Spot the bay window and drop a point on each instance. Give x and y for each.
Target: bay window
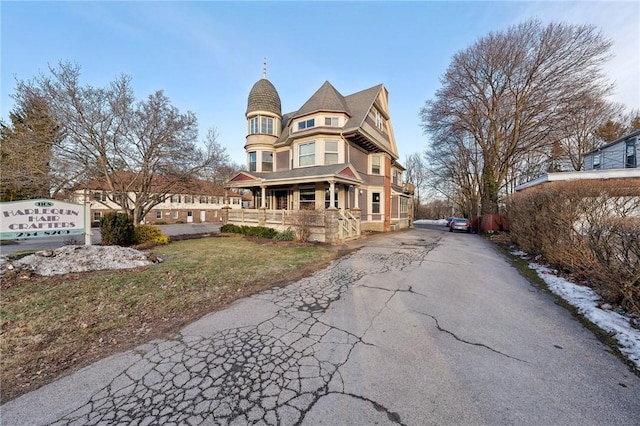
(253, 161)
(267, 161)
(307, 154)
(330, 152)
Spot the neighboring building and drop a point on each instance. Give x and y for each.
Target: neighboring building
(615, 162)
(199, 202)
(335, 155)
(619, 154)
(623, 177)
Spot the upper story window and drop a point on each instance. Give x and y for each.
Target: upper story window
(253, 161)
(307, 154)
(331, 121)
(306, 124)
(396, 176)
(379, 120)
(330, 152)
(188, 199)
(630, 155)
(375, 165)
(261, 124)
(175, 198)
(597, 158)
(267, 161)
(266, 125)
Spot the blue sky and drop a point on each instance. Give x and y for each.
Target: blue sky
(206, 55)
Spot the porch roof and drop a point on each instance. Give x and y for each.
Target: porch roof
(343, 173)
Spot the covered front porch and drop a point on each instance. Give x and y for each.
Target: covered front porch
(321, 202)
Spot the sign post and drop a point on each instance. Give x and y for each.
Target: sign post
(43, 218)
(87, 222)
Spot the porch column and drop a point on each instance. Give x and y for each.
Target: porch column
(263, 200)
(356, 198)
(332, 196)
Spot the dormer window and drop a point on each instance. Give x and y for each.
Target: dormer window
(306, 124)
(332, 121)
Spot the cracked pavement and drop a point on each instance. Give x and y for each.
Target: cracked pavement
(417, 327)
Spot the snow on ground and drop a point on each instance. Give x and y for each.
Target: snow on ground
(76, 258)
(587, 302)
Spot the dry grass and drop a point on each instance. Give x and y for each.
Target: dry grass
(52, 326)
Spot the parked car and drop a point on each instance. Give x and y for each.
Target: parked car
(460, 224)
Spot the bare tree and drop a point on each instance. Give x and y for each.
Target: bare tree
(140, 150)
(416, 174)
(511, 90)
(221, 167)
(455, 166)
(578, 130)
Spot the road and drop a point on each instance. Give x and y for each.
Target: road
(55, 242)
(415, 327)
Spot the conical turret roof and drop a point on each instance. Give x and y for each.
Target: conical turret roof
(264, 97)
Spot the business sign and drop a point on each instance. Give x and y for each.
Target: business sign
(40, 218)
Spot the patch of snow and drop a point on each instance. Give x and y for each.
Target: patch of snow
(587, 302)
(442, 222)
(73, 258)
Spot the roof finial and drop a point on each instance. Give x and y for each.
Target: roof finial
(264, 68)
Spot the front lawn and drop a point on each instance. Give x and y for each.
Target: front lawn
(52, 326)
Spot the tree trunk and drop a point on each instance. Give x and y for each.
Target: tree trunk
(489, 196)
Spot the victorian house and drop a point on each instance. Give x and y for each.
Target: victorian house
(335, 156)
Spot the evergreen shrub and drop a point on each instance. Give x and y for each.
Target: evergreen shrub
(116, 229)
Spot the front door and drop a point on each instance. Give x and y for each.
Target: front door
(281, 200)
(189, 217)
(203, 216)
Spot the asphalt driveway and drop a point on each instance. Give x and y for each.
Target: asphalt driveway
(417, 327)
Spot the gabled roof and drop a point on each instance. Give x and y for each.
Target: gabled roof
(359, 104)
(326, 98)
(617, 141)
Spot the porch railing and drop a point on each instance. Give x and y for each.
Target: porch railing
(349, 226)
(329, 226)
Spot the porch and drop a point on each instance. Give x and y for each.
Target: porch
(331, 225)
